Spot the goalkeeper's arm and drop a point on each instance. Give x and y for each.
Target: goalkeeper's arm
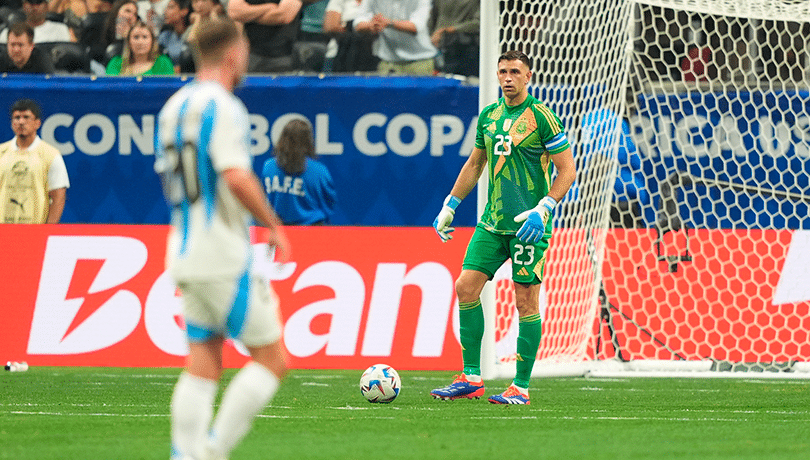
(535, 219)
(466, 181)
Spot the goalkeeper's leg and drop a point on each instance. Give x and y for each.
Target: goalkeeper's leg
(527, 274)
(471, 321)
(528, 341)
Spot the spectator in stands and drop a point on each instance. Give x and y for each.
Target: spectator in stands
(403, 41)
(203, 9)
(152, 13)
(33, 177)
(348, 51)
(122, 16)
(45, 31)
(298, 186)
(73, 13)
(174, 38)
(140, 55)
(92, 36)
(23, 56)
(454, 31)
(312, 15)
(98, 6)
(310, 48)
(272, 29)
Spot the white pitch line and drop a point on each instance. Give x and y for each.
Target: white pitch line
(658, 419)
(319, 376)
(97, 414)
(137, 376)
(76, 405)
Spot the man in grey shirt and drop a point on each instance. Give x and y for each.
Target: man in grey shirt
(403, 39)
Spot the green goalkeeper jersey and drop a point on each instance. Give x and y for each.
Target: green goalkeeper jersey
(519, 142)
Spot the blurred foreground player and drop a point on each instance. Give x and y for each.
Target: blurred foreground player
(205, 166)
(519, 138)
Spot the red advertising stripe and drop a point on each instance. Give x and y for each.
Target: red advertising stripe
(718, 305)
(92, 295)
(98, 296)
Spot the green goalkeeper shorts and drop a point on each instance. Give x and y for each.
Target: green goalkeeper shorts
(487, 251)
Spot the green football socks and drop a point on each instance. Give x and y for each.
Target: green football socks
(529, 331)
(471, 321)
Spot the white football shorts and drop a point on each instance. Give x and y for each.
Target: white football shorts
(245, 309)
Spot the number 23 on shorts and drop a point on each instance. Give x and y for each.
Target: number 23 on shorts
(525, 259)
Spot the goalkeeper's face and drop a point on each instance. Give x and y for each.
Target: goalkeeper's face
(513, 77)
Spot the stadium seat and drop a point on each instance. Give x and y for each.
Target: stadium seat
(10, 16)
(186, 61)
(92, 36)
(68, 57)
(308, 56)
(55, 17)
(113, 49)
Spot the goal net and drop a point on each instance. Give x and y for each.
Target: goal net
(682, 246)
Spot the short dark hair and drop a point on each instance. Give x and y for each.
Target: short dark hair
(21, 105)
(516, 55)
(22, 28)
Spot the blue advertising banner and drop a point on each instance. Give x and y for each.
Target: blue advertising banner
(734, 160)
(394, 146)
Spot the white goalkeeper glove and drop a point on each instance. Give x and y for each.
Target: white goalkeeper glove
(534, 227)
(445, 218)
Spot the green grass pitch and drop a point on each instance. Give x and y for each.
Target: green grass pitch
(108, 413)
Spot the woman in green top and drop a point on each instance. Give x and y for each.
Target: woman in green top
(140, 55)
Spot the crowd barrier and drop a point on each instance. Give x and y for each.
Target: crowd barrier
(395, 146)
(382, 139)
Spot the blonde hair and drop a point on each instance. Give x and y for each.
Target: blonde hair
(126, 53)
(212, 37)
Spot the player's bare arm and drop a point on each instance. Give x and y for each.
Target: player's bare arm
(470, 173)
(467, 178)
(566, 173)
(247, 189)
(57, 206)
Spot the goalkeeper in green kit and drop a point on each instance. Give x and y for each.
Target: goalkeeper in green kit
(519, 138)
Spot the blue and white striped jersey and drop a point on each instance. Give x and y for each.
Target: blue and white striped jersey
(202, 131)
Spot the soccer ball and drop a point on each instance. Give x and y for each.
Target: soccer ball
(380, 383)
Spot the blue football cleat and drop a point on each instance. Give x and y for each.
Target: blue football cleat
(511, 396)
(460, 388)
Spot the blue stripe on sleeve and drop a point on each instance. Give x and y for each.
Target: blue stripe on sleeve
(208, 177)
(179, 140)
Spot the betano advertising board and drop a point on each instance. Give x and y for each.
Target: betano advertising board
(98, 295)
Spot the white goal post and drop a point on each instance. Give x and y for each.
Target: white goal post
(682, 248)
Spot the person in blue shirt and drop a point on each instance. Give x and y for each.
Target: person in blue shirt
(176, 27)
(298, 186)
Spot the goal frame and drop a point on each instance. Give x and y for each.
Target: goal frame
(490, 30)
